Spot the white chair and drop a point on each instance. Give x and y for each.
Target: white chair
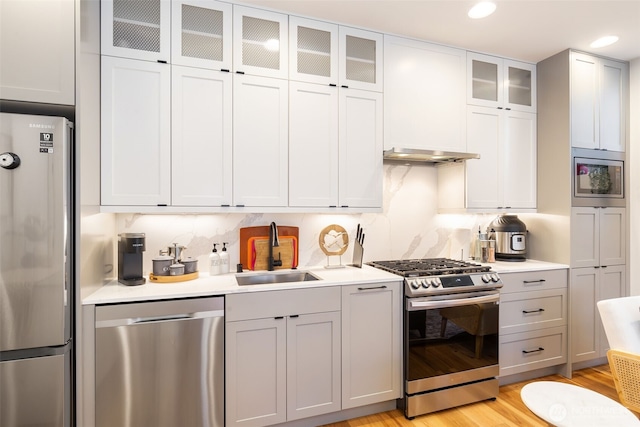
(621, 321)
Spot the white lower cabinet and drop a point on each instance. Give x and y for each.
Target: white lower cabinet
(297, 354)
(533, 320)
(282, 355)
(371, 344)
(588, 286)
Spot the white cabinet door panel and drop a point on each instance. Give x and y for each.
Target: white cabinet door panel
(484, 133)
(612, 236)
(255, 359)
(37, 51)
(313, 145)
(313, 51)
(360, 131)
(313, 365)
(585, 237)
(613, 97)
(518, 153)
(371, 344)
(584, 319)
(260, 141)
(201, 137)
(135, 132)
(424, 95)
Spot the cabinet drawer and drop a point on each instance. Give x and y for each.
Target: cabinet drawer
(532, 350)
(534, 280)
(526, 311)
(259, 305)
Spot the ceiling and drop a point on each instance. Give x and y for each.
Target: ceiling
(527, 30)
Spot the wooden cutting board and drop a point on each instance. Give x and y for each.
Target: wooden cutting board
(254, 247)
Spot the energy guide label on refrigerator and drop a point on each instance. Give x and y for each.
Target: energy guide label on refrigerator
(46, 142)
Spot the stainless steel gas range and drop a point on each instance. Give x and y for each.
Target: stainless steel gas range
(450, 332)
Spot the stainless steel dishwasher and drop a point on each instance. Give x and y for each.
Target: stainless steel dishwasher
(160, 363)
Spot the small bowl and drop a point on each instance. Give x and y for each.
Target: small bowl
(176, 269)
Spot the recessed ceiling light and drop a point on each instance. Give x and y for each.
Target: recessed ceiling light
(482, 9)
(604, 41)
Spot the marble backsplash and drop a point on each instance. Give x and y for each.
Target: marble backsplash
(408, 227)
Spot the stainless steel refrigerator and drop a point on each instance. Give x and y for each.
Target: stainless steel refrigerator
(36, 270)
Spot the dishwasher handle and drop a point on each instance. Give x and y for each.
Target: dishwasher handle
(130, 321)
(158, 311)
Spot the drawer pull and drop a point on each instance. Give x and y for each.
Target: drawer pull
(540, 310)
(528, 282)
(375, 287)
(532, 351)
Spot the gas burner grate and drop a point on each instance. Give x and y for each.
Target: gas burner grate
(429, 267)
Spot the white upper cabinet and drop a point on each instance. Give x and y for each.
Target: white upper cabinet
(313, 51)
(260, 141)
(424, 95)
(37, 51)
(313, 145)
(598, 99)
(135, 148)
(201, 143)
(260, 42)
(136, 29)
(360, 63)
(201, 34)
(501, 83)
(360, 130)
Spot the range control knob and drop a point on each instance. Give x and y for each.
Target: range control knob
(436, 282)
(426, 283)
(495, 278)
(414, 284)
(486, 278)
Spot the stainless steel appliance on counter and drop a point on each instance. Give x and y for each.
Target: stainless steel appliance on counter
(160, 363)
(510, 234)
(450, 332)
(36, 270)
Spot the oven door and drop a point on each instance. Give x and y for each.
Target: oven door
(450, 340)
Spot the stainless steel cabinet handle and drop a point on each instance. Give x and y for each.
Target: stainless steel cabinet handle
(533, 351)
(540, 310)
(375, 287)
(528, 282)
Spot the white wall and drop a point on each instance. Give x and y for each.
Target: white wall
(634, 179)
(408, 227)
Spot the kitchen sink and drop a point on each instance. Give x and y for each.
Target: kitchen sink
(275, 277)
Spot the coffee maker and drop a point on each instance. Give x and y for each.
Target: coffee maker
(130, 249)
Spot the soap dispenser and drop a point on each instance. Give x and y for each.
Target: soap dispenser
(214, 261)
(224, 259)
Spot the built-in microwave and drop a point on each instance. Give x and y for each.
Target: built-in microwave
(597, 178)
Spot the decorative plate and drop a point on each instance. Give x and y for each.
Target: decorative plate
(333, 240)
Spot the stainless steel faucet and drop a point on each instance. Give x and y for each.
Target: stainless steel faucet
(273, 242)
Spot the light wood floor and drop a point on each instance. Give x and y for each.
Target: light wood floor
(506, 410)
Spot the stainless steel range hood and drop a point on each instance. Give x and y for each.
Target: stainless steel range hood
(427, 156)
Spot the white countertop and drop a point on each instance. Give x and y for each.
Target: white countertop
(205, 285)
(521, 266)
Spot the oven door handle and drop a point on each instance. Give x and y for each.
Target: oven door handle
(421, 305)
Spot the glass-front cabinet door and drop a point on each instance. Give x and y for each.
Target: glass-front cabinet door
(260, 42)
(201, 34)
(501, 83)
(136, 29)
(360, 59)
(313, 51)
